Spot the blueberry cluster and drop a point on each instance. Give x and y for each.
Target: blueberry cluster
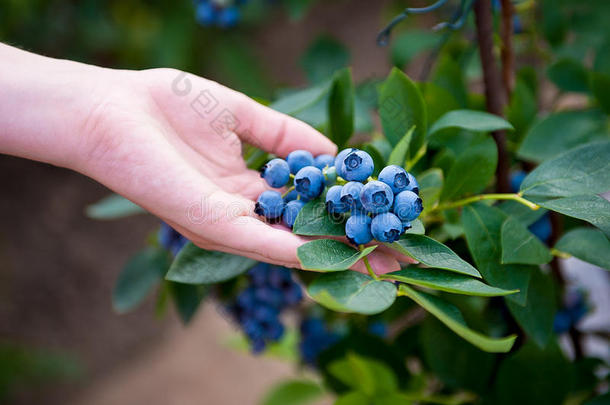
(170, 239)
(220, 13)
(310, 176)
(315, 338)
(381, 209)
(257, 309)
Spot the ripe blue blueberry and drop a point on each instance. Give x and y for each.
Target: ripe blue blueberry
(269, 204)
(323, 161)
(350, 194)
(413, 185)
(206, 14)
(291, 211)
(358, 229)
(228, 17)
(276, 173)
(406, 225)
(334, 205)
(309, 182)
(407, 205)
(516, 178)
(171, 239)
(357, 166)
(298, 159)
(386, 227)
(376, 197)
(339, 160)
(396, 177)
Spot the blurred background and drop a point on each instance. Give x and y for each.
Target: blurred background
(60, 340)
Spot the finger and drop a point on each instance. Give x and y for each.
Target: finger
(276, 132)
(402, 258)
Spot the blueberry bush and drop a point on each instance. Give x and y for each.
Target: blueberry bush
(486, 190)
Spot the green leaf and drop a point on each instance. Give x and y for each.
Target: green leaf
(482, 227)
(297, 9)
(314, 220)
(349, 291)
(399, 153)
(446, 281)
(299, 100)
(472, 171)
(113, 207)
(194, 265)
(520, 212)
(536, 318)
(329, 255)
(560, 132)
(438, 344)
(471, 120)
(519, 245)
(587, 244)
(417, 228)
(449, 75)
(341, 108)
(143, 272)
(600, 86)
(368, 376)
(569, 75)
(409, 44)
(430, 186)
(522, 109)
(293, 392)
(323, 57)
(583, 170)
(187, 299)
(401, 106)
(591, 208)
(533, 376)
(433, 253)
(452, 317)
(353, 398)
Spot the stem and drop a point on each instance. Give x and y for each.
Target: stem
(481, 197)
(365, 259)
(287, 191)
(495, 97)
(507, 54)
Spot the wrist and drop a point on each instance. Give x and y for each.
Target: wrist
(47, 106)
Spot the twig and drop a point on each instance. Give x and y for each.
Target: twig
(507, 54)
(481, 197)
(495, 97)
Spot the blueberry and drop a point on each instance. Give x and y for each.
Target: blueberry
(312, 327)
(292, 195)
(407, 206)
(516, 178)
(206, 14)
(309, 182)
(246, 298)
(269, 204)
(350, 194)
(378, 328)
(293, 294)
(376, 197)
(334, 205)
(265, 313)
(542, 228)
(323, 161)
(358, 229)
(228, 17)
(269, 296)
(298, 160)
(406, 225)
(273, 330)
(396, 177)
(276, 173)
(330, 175)
(291, 211)
(170, 239)
(259, 274)
(413, 185)
(386, 227)
(339, 160)
(357, 166)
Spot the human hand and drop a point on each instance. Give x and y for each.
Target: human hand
(171, 143)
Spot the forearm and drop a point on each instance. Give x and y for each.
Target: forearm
(44, 103)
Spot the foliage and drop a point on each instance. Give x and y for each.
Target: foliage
(485, 277)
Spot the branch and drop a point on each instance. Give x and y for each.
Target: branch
(507, 54)
(495, 96)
